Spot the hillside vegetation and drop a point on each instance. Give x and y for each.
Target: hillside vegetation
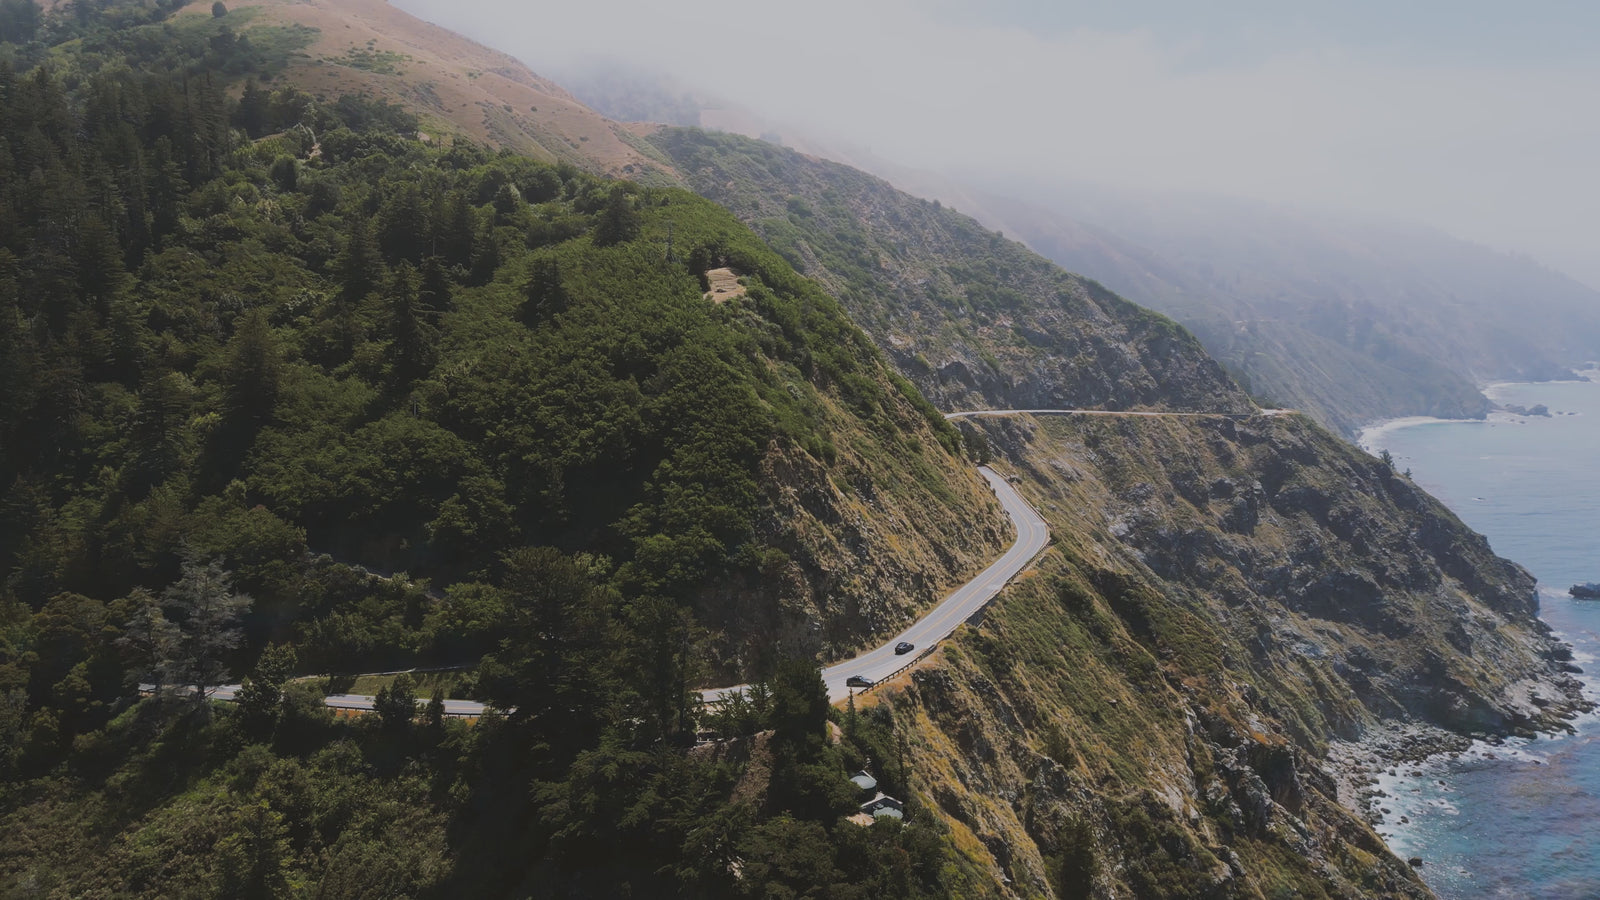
(271, 343)
(974, 320)
(263, 349)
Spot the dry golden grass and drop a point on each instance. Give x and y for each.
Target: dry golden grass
(456, 85)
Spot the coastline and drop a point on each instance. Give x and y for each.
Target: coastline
(1401, 775)
(1399, 766)
(1368, 436)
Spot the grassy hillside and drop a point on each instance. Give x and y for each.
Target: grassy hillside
(1146, 715)
(270, 347)
(972, 319)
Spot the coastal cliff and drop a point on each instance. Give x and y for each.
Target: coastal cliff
(1149, 712)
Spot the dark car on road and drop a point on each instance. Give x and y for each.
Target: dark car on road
(903, 648)
(858, 681)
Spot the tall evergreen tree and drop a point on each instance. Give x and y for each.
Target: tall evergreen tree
(411, 339)
(253, 110)
(619, 220)
(360, 264)
(436, 293)
(209, 615)
(255, 367)
(543, 295)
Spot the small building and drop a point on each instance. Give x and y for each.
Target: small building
(884, 805)
(865, 782)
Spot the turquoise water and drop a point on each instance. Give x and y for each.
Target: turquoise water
(1523, 819)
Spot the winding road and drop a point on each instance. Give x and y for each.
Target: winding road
(882, 662)
(1150, 414)
(926, 633)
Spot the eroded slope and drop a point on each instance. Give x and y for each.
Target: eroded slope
(1147, 711)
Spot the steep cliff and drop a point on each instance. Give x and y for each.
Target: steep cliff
(974, 320)
(1148, 711)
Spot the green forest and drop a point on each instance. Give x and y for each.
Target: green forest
(287, 389)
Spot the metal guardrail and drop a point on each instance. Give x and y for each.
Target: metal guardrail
(915, 661)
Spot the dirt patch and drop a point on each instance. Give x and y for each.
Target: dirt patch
(725, 285)
(458, 86)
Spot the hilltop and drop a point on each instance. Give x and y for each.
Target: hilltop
(455, 86)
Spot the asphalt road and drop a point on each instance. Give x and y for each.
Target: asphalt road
(927, 632)
(229, 692)
(1151, 414)
(924, 634)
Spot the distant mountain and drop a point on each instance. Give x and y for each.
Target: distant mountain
(1347, 319)
(974, 320)
(1351, 320)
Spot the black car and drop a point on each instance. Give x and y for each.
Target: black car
(903, 648)
(858, 681)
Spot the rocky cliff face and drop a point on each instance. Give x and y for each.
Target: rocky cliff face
(1148, 712)
(863, 547)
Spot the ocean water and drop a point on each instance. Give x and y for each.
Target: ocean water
(1522, 819)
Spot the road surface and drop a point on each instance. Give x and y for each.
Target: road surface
(362, 702)
(879, 663)
(1152, 414)
(927, 632)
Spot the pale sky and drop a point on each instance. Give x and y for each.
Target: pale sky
(1482, 118)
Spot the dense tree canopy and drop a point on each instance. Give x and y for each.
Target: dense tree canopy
(257, 351)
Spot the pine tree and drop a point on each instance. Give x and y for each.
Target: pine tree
(543, 295)
(485, 255)
(157, 433)
(411, 340)
(619, 221)
(396, 703)
(167, 188)
(456, 231)
(253, 111)
(436, 293)
(262, 692)
(403, 226)
(150, 641)
(254, 370)
(209, 616)
(434, 716)
(360, 265)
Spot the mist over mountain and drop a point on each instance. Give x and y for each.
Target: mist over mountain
(1353, 318)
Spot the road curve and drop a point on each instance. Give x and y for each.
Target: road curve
(878, 663)
(1151, 414)
(959, 606)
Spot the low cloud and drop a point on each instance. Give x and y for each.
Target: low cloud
(1497, 153)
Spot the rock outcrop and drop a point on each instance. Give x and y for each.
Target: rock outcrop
(1225, 598)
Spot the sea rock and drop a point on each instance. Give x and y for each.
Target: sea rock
(1586, 591)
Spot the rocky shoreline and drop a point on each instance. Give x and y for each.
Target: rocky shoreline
(1402, 748)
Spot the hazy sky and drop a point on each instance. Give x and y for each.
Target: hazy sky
(1479, 117)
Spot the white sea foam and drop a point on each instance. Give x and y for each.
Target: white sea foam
(1370, 438)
